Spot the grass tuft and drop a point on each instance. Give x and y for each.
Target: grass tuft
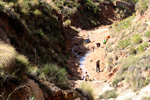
(136, 39)
(124, 43)
(147, 34)
(55, 74)
(7, 56)
(108, 94)
(88, 90)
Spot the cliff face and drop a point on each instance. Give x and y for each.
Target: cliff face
(36, 36)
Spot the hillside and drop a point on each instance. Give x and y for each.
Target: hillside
(42, 46)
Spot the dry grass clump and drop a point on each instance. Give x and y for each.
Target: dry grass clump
(136, 39)
(7, 56)
(108, 94)
(124, 43)
(134, 78)
(11, 61)
(88, 90)
(55, 74)
(147, 34)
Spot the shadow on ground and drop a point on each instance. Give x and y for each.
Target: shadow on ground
(75, 45)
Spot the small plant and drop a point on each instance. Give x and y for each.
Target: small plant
(37, 12)
(147, 81)
(147, 34)
(141, 48)
(88, 90)
(132, 51)
(55, 74)
(90, 7)
(67, 23)
(22, 64)
(115, 82)
(108, 94)
(136, 39)
(124, 43)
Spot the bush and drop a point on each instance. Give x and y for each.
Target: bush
(90, 7)
(88, 90)
(124, 43)
(37, 12)
(67, 23)
(147, 34)
(136, 39)
(115, 82)
(147, 81)
(134, 78)
(132, 51)
(141, 48)
(108, 94)
(56, 74)
(22, 64)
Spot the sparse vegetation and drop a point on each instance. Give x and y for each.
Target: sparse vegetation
(55, 74)
(122, 25)
(108, 94)
(147, 34)
(88, 90)
(136, 39)
(124, 43)
(145, 98)
(141, 47)
(142, 6)
(89, 6)
(132, 51)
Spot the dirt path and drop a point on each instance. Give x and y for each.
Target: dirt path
(95, 35)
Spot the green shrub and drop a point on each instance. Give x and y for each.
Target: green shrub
(22, 64)
(124, 43)
(108, 94)
(147, 34)
(37, 12)
(147, 81)
(88, 90)
(135, 79)
(136, 39)
(67, 23)
(34, 3)
(115, 82)
(141, 48)
(90, 7)
(132, 51)
(55, 74)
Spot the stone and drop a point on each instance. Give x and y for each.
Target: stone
(34, 87)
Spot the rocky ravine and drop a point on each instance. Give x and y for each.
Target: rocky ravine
(102, 79)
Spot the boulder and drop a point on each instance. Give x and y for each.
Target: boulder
(35, 89)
